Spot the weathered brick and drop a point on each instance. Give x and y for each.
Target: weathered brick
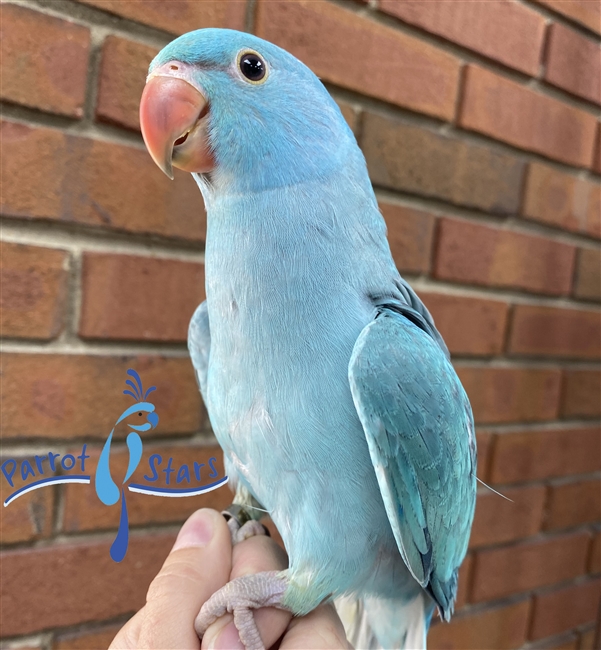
(498, 520)
(562, 200)
(574, 63)
(95, 639)
(594, 560)
(472, 326)
(504, 31)
(501, 628)
(349, 112)
(134, 297)
(327, 37)
(122, 75)
(83, 510)
(477, 254)
(510, 570)
(178, 16)
(585, 12)
(572, 504)
(33, 294)
(557, 332)
(77, 583)
(511, 394)
(47, 174)
(44, 61)
(581, 393)
(410, 235)
(29, 516)
(535, 455)
(513, 113)
(406, 157)
(588, 274)
(565, 608)
(63, 396)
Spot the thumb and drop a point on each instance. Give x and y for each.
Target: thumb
(198, 565)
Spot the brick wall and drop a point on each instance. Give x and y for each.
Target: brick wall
(480, 125)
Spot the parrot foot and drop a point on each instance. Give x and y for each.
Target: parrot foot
(239, 597)
(241, 525)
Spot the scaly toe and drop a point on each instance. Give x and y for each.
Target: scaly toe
(239, 597)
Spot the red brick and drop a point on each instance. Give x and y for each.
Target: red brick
(327, 38)
(565, 608)
(572, 504)
(574, 63)
(412, 159)
(513, 113)
(581, 393)
(511, 394)
(535, 455)
(498, 520)
(588, 274)
(463, 583)
(477, 254)
(585, 12)
(597, 156)
(349, 112)
(410, 235)
(29, 516)
(44, 61)
(144, 298)
(471, 326)
(587, 640)
(178, 16)
(500, 628)
(96, 639)
(594, 561)
(83, 511)
(122, 76)
(555, 332)
(562, 200)
(33, 294)
(71, 395)
(510, 570)
(484, 440)
(47, 174)
(77, 583)
(504, 31)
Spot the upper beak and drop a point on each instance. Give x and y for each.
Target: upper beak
(173, 119)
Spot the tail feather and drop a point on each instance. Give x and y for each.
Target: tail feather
(386, 624)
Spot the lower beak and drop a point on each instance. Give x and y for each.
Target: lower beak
(173, 119)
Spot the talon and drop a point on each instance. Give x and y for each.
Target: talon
(241, 525)
(239, 597)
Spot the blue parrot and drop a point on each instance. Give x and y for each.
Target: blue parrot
(326, 382)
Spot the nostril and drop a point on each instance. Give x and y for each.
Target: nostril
(174, 67)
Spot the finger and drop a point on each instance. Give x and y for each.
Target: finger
(252, 556)
(128, 636)
(322, 629)
(198, 566)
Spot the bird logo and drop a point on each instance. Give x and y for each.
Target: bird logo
(107, 490)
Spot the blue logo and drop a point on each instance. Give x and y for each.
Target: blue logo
(108, 491)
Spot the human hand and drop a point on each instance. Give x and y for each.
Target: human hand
(200, 563)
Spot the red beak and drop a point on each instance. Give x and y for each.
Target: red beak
(173, 118)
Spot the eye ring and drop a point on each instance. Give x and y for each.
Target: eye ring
(252, 67)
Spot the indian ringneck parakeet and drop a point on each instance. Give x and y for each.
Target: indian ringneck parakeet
(326, 382)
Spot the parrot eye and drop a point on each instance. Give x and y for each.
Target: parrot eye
(140, 414)
(252, 67)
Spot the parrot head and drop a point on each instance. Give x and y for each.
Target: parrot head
(240, 113)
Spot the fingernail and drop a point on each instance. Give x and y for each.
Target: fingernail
(197, 531)
(227, 639)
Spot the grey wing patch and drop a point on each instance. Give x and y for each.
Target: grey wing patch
(199, 346)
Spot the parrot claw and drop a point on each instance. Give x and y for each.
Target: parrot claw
(241, 525)
(239, 597)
